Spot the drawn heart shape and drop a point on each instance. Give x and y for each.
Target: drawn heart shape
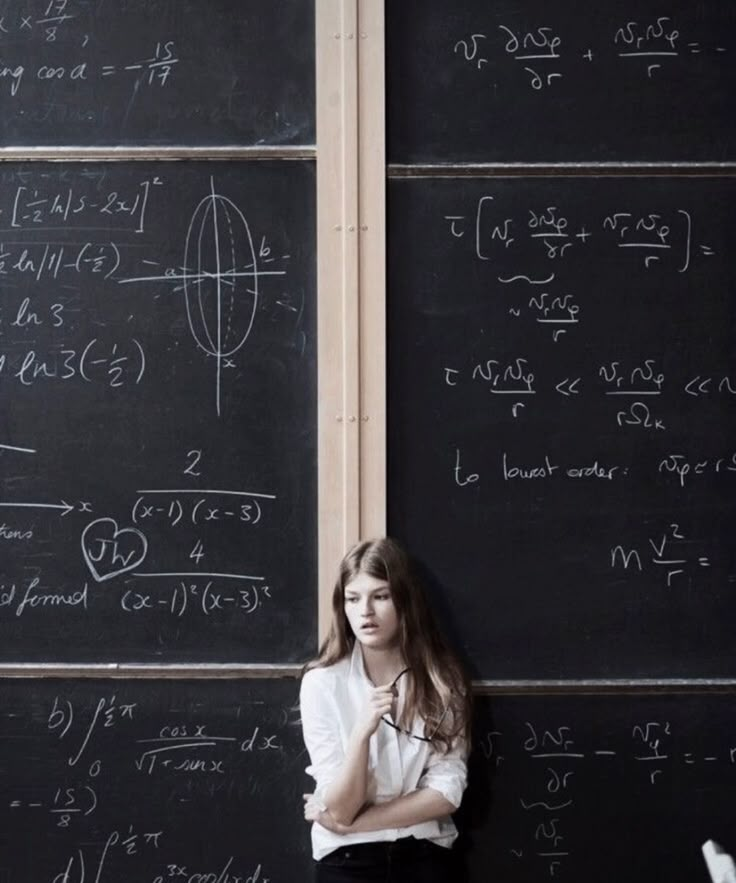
(111, 550)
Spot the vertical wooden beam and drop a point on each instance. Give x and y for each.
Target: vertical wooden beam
(337, 284)
(372, 194)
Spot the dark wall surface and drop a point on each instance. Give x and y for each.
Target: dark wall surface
(158, 412)
(157, 72)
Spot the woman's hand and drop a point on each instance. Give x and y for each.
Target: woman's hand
(314, 811)
(380, 702)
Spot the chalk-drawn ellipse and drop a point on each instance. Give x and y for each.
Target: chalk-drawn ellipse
(221, 279)
(221, 288)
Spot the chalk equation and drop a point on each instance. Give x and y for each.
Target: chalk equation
(47, 23)
(634, 388)
(82, 206)
(196, 506)
(187, 756)
(32, 40)
(66, 803)
(190, 748)
(130, 842)
(213, 594)
(654, 237)
(111, 363)
(77, 72)
(117, 553)
(551, 235)
(557, 761)
(685, 468)
(124, 844)
(670, 551)
(64, 720)
(43, 261)
(200, 598)
(86, 860)
(545, 57)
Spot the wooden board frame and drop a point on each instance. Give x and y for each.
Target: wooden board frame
(351, 181)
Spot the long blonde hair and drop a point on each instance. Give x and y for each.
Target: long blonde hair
(438, 690)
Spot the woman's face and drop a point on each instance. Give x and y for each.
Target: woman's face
(370, 610)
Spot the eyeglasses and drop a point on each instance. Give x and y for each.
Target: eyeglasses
(408, 732)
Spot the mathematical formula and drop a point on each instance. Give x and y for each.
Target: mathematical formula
(58, 24)
(171, 751)
(545, 58)
(634, 388)
(99, 314)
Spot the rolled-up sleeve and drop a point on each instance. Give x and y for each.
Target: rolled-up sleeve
(447, 773)
(320, 729)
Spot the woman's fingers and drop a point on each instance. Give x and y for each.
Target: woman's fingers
(380, 702)
(382, 699)
(382, 694)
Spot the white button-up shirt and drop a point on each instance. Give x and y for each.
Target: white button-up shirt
(331, 699)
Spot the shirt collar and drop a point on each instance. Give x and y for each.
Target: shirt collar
(357, 666)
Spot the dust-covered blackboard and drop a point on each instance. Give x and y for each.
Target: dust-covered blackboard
(562, 380)
(158, 428)
(157, 72)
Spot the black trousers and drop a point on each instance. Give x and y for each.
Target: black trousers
(402, 861)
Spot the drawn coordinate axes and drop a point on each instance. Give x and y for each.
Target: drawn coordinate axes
(221, 295)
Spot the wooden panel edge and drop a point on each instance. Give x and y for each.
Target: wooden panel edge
(337, 288)
(372, 184)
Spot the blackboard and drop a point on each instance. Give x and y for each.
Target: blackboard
(154, 780)
(158, 412)
(148, 779)
(157, 72)
(487, 82)
(561, 424)
(604, 788)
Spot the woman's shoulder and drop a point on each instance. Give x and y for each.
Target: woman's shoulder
(324, 676)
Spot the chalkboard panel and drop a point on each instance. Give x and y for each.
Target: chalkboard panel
(137, 779)
(150, 780)
(158, 412)
(562, 377)
(164, 72)
(604, 788)
(493, 82)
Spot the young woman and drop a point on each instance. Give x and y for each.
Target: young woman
(385, 713)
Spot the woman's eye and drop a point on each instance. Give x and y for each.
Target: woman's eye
(350, 600)
(383, 597)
